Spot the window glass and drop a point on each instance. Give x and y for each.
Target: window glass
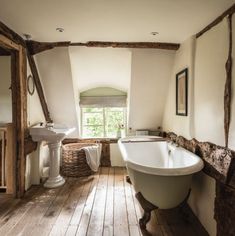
(103, 122)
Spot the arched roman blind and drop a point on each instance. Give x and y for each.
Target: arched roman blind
(103, 97)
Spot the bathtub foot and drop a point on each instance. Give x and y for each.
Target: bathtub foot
(128, 179)
(148, 207)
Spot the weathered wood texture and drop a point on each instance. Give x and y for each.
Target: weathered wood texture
(219, 164)
(219, 161)
(10, 34)
(38, 85)
(35, 47)
(21, 120)
(18, 87)
(29, 145)
(156, 45)
(105, 152)
(225, 209)
(228, 85)
(100, 205)
(229, 11)
(92, 140)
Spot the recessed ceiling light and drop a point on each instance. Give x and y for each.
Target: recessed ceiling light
(61, 30)
(154, 33)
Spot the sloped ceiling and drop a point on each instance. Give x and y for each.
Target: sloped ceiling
(111, 20)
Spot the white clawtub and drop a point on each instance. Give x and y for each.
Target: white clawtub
(160, 171)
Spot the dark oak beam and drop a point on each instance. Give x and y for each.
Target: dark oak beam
(229, 11)
(35, 47)
(224, 209)
(153, 45)
(39, 87)
(228, 85)
(29, 145)
(219, 161)
(10, 34)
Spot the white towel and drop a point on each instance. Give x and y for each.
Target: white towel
(93, 154)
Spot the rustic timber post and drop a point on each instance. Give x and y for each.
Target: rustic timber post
(19, 108)
(228, 85)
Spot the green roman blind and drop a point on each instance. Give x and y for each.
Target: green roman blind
(103, 97)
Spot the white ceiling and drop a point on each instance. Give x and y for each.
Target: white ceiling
(110, 20)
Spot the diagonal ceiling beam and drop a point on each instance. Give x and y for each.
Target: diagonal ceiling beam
(229, 11)
(39, 88)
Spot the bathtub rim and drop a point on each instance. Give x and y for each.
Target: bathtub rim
(178, 171)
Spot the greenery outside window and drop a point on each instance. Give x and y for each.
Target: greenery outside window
(103, 122)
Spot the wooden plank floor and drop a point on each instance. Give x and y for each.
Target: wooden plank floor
(102, 204)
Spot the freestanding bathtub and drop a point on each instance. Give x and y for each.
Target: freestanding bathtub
(160, 171)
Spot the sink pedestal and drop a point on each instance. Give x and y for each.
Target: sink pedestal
(55, 179)
(53, 134)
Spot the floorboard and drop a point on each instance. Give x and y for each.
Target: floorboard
(103, 204)
(109, 206)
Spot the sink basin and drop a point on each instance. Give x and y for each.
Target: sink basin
(53, 134)
(57, 133)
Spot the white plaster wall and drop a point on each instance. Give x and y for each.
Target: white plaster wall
(55, 73)
(205, 119)
(203, 187)
(101, 67)
(210, 74)
(210, 77)
(5, 92)
(34, 109)
(150, 75)
(184, 58)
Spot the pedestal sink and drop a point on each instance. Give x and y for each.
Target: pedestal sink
(53, 134)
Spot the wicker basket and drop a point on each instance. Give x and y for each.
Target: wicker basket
(74, 162)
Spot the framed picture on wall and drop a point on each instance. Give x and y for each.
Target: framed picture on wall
(182, 93)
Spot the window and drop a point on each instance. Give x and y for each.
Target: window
(102, 121)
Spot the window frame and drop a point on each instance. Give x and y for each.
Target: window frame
(104, 113)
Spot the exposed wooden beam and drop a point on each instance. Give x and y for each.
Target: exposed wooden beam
(10, 34)
(35, 47)
(29, 145)
(38, 85)
(8, 44)
(219, 162)
(229, 11)
(228, 84)
(153, 45)
(19, 103)
(22, 120)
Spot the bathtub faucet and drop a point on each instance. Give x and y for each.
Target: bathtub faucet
(174, 144)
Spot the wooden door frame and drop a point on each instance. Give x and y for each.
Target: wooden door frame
(19, 112)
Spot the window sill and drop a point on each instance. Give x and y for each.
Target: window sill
(75, 140)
